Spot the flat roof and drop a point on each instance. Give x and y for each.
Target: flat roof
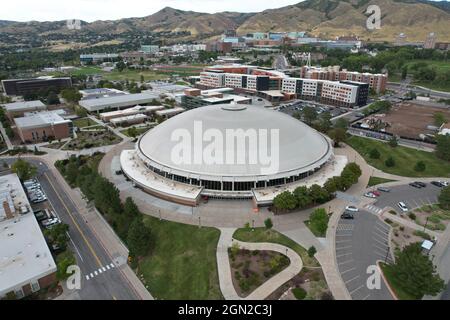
(24, 105)
(128, 118)
(24, 254)
(131, 111)
(117, 101)
(166, 112)
(40, 119)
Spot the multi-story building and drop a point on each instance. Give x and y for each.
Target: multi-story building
(98, 57)
(194, 98)
(44, 125)
(212, 79)
(377, 82)
(18, 109)
(20, 87)
(26, 264)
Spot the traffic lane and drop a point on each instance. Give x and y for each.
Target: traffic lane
(88, 244)
(360, 243)
(413, 197)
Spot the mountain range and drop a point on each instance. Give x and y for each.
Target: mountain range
(323, 18)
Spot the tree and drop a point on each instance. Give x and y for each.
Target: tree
(444, 198)
(52, 98)
(338, 135)
(420, 166)
(71, 95)
(285, 201)
(404, 72)
(130, 208)
(268, 223)
(443, 146)
(138, 238)
(302, 196)
(341, 123)
(393, 142)
(312, 251)
(309, 114)
(318, 194)
(58, 235)
(415, 273)
(23, 169)
(132, 132)
(63, 261)
(71, 172)
(374, 154)
(318, 221)
(439, 118)
(390, 162)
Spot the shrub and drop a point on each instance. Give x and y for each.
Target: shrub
(299, 293)
(422, 234)
(412, 216)
(312, 251)
(374, 154)
(388, 221)
(318, 221)
(268, 223)
(420, 166)
(393, 212)
(390, 162)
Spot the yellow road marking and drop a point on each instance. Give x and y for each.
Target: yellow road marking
(75, 223)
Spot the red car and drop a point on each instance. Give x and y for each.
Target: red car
(376, 193)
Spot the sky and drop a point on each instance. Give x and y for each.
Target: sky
(91, 10)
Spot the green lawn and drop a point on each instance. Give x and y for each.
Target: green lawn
(440, 67)
(373, 181)
(395, 284)
(84, 122)
(182, 263)
(405, 158)
(265, 235)
(133, 75)
(139, 131)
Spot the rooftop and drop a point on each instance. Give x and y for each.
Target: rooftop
(118, 101)
(24, 106)
(40, 119)
(24, 254)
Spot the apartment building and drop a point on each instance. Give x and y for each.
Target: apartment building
(377, 82)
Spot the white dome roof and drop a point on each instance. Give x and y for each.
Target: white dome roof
(301, 148)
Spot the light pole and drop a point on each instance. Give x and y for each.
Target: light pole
(199, 223)
(253, 224)
(159, 211)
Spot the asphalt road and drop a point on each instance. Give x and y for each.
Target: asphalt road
(101, 277)
(412, 197)
(360, 243)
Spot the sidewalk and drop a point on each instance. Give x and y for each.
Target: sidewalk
(263, 291)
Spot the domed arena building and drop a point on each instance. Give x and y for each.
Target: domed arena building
(230, 152)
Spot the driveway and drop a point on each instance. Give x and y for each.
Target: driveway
(360, 243)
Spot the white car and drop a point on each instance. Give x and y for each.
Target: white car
(351, 208)
(369, 195)
(402, 206)
(444, 183)
(49, 222)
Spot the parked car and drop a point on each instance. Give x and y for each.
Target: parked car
(415, 185)
(444, 183)
(347, 215)
(402, 206)
(384, 189)
(40, 215)
(351, 209)
(421, 184)
(369, 195)
(49, 222)
(437, 184)
(376, 193)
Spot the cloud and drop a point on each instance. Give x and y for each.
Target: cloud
(90, 10)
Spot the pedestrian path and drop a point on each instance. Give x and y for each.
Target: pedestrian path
(262, 292)
(100, 270)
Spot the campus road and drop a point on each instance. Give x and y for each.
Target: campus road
(101, 278)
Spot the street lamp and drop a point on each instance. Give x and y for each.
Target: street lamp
(199, 223)
(159, 212)
(253, 224)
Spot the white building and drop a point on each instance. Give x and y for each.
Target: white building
(26, 264)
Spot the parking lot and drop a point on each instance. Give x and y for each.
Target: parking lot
(411, 196)
(297, 106)
(360, 243)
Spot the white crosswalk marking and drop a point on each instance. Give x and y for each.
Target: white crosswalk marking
(99, 271)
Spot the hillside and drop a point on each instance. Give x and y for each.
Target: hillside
(325, 18)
